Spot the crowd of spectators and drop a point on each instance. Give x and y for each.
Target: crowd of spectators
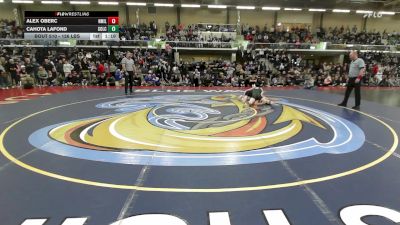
(207, 33)
(286, 69)
(187, 36)
(383, 69)
(77, 67)
(295, 35)
(10, 30)
(142, 31)
(179, 32)
(280, 35)
(346, 35)
(303, 35)
(30, 66)
(194, 32)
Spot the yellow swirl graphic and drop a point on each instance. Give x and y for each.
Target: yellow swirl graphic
(133, 131)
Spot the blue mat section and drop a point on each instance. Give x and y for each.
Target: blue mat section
(26, 194)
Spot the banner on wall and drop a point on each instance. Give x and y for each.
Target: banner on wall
(156, 43)
(67, 43)
(319, 46)
(240, 44)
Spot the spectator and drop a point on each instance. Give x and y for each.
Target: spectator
(3, 78)
(67, 68)
(319, 82)
(12, 68)
(328, 80)
(309, 82)
(43, 76)
(336, 80)
(27, 81)
(137, 80)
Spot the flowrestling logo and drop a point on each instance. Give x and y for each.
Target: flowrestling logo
(200, 130)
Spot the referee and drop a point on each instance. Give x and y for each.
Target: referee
(128, 66)
(356, 72)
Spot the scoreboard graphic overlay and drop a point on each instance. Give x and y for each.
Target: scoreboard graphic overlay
(79, 25)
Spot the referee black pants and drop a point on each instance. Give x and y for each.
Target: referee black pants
(128, 82)
(351, 84)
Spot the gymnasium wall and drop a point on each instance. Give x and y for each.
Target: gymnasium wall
(161, 15)
(345, 19)
(6, 11)
(202, 15)
(390, 23)
(293, 17)
(257, 18)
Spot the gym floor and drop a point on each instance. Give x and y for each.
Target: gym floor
(194, 156)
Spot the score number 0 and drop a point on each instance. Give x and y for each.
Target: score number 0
(113, 21)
